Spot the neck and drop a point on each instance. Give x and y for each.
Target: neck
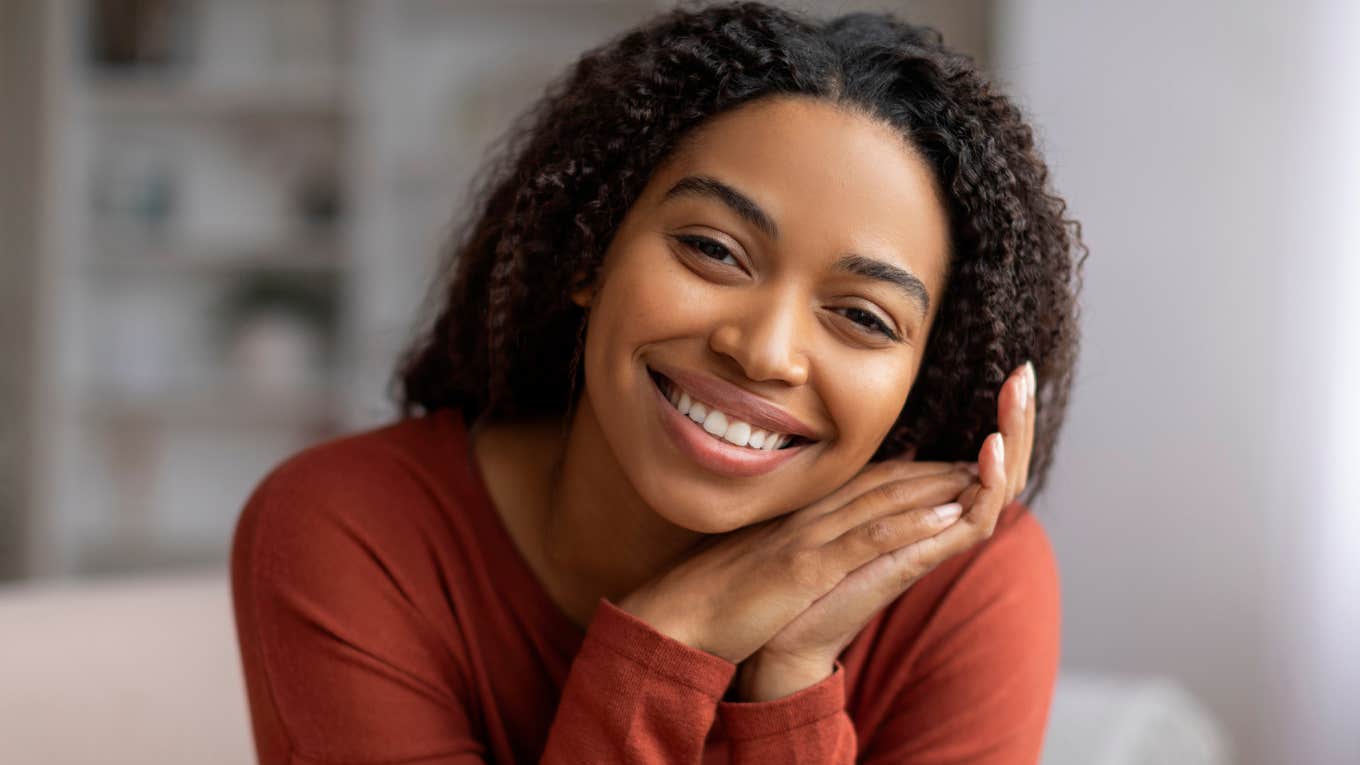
(597, 532)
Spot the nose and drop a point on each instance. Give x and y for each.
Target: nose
(765, 338)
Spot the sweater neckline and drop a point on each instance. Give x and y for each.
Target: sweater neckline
(510, 561)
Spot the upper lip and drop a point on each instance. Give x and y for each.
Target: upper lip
(733, 400)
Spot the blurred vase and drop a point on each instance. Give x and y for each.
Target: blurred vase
(277, 354)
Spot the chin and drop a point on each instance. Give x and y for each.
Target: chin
(706, 510)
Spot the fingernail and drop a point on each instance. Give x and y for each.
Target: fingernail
(1000, 447)
(1029, 377)
(948, 513)
(1023, 387)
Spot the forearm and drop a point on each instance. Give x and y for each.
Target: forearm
(763, 677)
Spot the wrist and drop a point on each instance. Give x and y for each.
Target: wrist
(767, 677)
(638, 606)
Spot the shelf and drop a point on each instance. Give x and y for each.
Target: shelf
(120, 252)
(107, 557)
(113, 96)
(217, 408)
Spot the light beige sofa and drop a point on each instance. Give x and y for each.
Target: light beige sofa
(141, 670)
(145, 670)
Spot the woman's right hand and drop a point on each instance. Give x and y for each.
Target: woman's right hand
(737, 590)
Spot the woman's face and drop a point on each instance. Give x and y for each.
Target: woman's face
(784, 268)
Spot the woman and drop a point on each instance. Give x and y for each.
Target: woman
(661, 490)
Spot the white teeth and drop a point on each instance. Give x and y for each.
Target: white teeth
(738, 433)
(723, 425)
(716, 423)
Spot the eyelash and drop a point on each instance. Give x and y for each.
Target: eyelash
(697, 243)
(878, 325)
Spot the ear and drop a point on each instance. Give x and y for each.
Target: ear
(583, 292)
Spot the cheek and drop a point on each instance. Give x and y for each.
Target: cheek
(865, 404)
(651, 297)
(637, 305)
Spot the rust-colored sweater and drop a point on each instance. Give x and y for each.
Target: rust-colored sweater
(385, 615)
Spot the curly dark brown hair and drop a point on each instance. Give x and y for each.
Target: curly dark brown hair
(506, 340)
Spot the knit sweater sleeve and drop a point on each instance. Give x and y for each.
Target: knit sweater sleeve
(976, 691)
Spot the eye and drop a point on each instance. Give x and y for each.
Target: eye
(870, 322)
(707, 247)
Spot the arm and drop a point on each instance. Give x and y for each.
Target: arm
(635, 695)
(978, 691)
(339, 665)
(806, 646)
(803, 720)
(342, 664)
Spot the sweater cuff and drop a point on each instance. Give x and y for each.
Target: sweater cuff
(744, 720)
(659, 653)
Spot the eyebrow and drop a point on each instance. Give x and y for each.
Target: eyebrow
(882, 271)
(704, 186)
(859, 265)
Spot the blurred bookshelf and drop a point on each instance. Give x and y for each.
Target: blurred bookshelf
(247, 202)
(198, 310)
(242, 204)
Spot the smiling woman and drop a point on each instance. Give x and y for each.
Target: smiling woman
(758, 262)
(712, 449)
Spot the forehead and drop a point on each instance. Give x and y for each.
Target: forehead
(832, 180)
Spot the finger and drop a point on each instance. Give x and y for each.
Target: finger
(1030, 412)
(869, 587)
(871, 540)
(885, 518)
(874, 475)
(977, 523)
(863, 593)
(992, 497)
(1011, 422)
(969, 495)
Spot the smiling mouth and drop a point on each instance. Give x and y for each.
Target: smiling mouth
(720, 425)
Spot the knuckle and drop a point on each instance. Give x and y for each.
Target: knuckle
(895, 493)
(984, 527)
(877, 532)
(913, 565)
(804, 539)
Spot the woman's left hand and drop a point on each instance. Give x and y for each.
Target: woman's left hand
(804, 652)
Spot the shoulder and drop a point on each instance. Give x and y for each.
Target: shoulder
(1018, 545)
(994, 620)
(1009, 581)
(997, 605)
(341, 581)
(967, 659)
(347, 496)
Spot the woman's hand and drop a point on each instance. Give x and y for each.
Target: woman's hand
(736, 591)
(804, 651)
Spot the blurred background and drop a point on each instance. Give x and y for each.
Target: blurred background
(219, 219)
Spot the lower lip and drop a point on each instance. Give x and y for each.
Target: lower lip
(718, 456)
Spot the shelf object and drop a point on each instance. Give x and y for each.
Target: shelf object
(201, 265)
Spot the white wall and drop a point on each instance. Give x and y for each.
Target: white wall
(1200, 508)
